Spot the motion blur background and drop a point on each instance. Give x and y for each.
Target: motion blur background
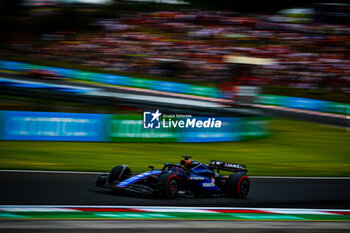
(75, 77)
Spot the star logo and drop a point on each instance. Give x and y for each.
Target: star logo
(156, 115)
(151, 120)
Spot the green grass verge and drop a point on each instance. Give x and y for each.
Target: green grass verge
(295, 148)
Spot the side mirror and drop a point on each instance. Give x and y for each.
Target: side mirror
(152, 167)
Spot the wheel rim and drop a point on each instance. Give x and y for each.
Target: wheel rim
(244, 188)
(172, 187)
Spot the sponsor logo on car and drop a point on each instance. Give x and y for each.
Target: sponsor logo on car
(207, 184)
(197, 178)
(232, 165)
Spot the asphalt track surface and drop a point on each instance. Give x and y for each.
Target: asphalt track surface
(23, 188)
(171, 226)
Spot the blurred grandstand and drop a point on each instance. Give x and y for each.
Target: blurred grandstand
(193, 46)
(220, 49)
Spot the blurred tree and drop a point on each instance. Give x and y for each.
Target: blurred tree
(252, 5)
(10, 7)
(9, 10)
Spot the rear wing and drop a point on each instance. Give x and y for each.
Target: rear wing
(226, 166)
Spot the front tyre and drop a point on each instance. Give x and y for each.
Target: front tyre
(168, 185)
(237, 185)
(118, 173)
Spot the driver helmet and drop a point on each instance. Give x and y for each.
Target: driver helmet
(186, 162)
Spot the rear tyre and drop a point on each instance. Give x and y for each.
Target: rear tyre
(168, 185)
(101, 180)
(118, 173)
(237, 185)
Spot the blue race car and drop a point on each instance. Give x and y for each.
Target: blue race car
(190, 178)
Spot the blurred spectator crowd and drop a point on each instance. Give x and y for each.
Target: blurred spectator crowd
(193, 46)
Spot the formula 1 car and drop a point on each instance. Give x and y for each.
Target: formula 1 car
(190, 178)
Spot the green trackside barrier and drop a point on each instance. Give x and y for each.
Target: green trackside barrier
(204, 91)
(254, 127)
(268, 100)
(327, 106)
(34, 67)
(339, 108)
(86, 76)
(129, 128)
(142, 83)
(52, 126)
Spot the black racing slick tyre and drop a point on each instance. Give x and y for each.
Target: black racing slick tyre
(237, 185)
(118, 173)
(168, 185)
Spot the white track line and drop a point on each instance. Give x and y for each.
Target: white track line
(253, 177)
(57, 172)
